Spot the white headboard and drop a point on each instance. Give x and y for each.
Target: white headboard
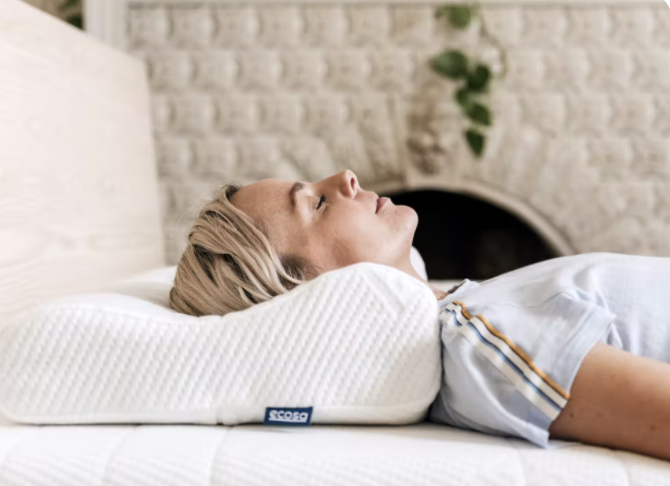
(79, 204)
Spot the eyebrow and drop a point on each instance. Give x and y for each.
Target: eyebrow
(295, 188)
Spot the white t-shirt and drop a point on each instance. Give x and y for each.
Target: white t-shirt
(512, 345)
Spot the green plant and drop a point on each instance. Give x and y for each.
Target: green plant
(475, 75)
(70, 11)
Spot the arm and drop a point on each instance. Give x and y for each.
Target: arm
(618, 400)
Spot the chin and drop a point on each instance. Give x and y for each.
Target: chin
(408, 218)
(399, 243)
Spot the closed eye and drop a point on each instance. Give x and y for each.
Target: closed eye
(322, 199)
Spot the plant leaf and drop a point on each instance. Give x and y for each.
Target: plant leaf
(68, 4)
(75, 20)
(463, 98)
(479, 78)
(476, 141)
(460, 16)
(479, 113)
(452, 64)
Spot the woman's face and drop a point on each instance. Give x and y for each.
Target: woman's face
(331, 223)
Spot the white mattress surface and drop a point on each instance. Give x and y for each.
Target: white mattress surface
(420, 454)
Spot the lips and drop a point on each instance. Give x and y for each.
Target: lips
(380, 202)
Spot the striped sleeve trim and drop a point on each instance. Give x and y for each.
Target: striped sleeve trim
(527, 378)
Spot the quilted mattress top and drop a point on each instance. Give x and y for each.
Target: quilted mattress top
(420, 454)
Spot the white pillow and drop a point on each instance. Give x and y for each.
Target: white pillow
(141, 285)
(417, 262)
(358, 344)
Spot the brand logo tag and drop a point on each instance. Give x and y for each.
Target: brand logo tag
(288, 416)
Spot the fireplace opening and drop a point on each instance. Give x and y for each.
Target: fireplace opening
(460, 236)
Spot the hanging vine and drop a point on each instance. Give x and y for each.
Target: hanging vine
(473, 75)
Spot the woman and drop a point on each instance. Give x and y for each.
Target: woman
(573, 348)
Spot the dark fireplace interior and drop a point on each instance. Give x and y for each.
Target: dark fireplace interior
(460, 236)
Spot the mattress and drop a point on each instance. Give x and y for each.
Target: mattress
(420, 454)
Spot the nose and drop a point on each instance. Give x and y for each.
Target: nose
(349, 183)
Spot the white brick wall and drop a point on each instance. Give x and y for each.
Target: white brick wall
(581, 139)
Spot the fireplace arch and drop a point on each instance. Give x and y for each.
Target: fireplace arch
(476, 232)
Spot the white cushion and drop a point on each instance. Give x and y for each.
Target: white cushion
(358, 344)
(417, 262)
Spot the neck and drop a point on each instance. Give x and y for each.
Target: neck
(409, 269)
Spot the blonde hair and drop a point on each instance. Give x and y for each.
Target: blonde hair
(230, 264)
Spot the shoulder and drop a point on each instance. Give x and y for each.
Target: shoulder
(574, 275)
(510, 356)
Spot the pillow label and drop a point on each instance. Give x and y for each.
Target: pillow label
(288, 416)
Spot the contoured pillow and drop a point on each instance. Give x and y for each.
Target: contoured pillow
(358, 344)
(417, 262)
(155, 285)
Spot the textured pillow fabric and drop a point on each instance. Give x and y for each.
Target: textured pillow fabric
(358, 344)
